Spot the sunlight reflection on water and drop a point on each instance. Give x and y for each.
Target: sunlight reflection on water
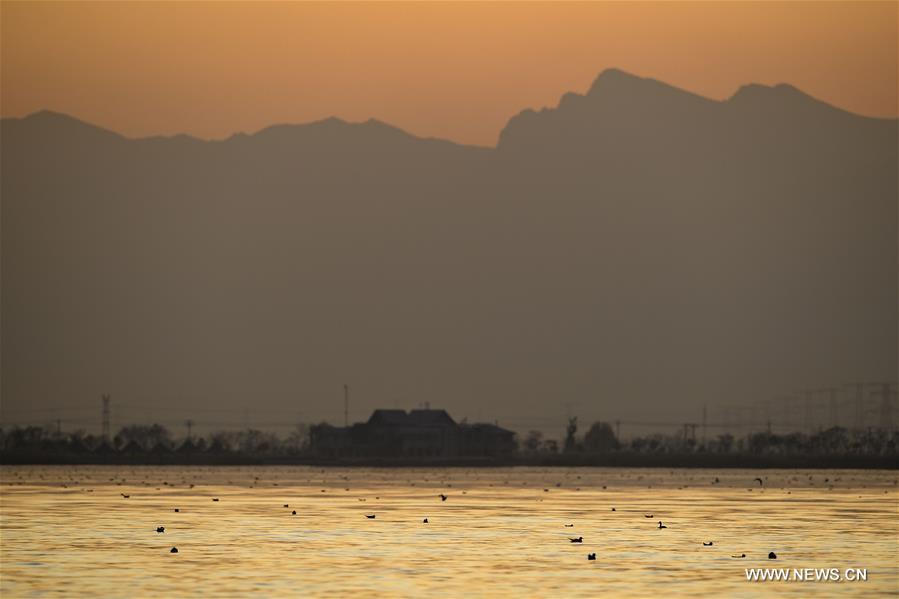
(501, 532)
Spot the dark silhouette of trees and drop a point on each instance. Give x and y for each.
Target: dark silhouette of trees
(144, 436)
(154, 444)
(600, 438)
(533, 441)
(570, 431)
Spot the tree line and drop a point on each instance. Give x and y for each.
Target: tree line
(599, 445)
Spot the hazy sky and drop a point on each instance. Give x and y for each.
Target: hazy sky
(450, 70)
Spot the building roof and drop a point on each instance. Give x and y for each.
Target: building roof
(431, 418)
(485, 427)
(412, 418)
(388, 417)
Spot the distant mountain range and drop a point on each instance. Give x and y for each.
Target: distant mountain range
(637, 249)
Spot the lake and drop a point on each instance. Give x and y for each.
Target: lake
(91, 530)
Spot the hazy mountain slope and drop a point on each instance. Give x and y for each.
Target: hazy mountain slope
(636, 243)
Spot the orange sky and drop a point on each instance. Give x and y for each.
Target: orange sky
(452, 70)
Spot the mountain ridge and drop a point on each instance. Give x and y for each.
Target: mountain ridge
(609, 81)
(640, 249)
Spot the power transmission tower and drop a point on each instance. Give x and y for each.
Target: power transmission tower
(859, 406)
(834, 415)
(808, 412)
(886, 407)
(704, 422)
(105, 421)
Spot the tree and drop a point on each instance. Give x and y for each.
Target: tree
(600, 438)
(533, 441)
(725, 442)
(145, 436)
(298, 439)
(570, 430)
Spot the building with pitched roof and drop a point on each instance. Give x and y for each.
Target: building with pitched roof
(422, 433)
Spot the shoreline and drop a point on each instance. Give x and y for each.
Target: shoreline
(612, 460)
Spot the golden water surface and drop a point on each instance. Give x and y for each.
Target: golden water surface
(500, 532)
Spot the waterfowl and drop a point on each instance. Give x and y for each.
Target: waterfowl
(647, 515)
(759, 481)
(293, 513)
(160, 529)
(425, 521)
(576, 539)
(177, 510)
(709, 544)
(174, 550)
(591, 557)
(215, 498)
(370, 516)
(772, 555)
(739, 556)
(661, 526)
(442, 497)
(569, 525)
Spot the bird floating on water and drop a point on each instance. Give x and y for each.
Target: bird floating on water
(576, 539)
(569, 525)
(442, 497)
(709, 544)
(160, 529)
(739, 556)
(759, 481)
(591, 557)
(425, 521)
(293, 513)
(370, 516)
(215, 498)
(772, 555)
(647, 515)
(661, 526)
(174, 550)
(177, 510)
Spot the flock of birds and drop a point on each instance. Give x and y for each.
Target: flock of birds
(443, 497)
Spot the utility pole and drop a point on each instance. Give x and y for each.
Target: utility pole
(766, 408)
(618, 430)
(346, 405)
(834, 417)
(190, 424)
(704, 422)
(105, 420)
(808, 412)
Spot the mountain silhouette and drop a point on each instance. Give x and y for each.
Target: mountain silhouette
(636, 248)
